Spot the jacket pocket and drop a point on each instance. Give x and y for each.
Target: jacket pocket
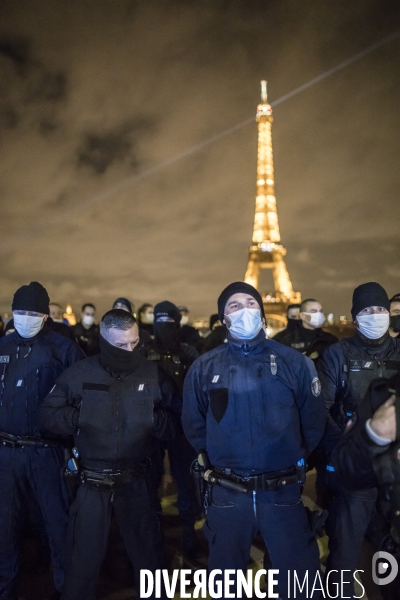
(219, 398)
(287, 496)
(221, 498)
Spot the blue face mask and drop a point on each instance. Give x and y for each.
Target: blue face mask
(373, 326)
(27, 325)
(245, 323)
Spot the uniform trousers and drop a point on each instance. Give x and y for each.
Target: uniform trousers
(23, 472)
(349, 516)
(88, 530)
(233, 520)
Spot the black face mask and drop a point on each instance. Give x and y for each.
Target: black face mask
(395, 323)
(116, 359)
(292, 324)
(166, 336)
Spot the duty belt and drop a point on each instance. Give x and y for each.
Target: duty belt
(265, 481)
(110, 480)
(16, 441)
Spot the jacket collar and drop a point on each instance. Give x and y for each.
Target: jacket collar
(377, 348)
(21, 341)
(253, 346)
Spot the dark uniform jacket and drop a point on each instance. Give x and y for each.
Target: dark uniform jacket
(113, 418)
(217, 337)
(28, 370)
(175, 364)
(354, 454)
(255, 407)
(60, 328)
(345, 371)
(311, 342)
(189, 335)
(88, 339)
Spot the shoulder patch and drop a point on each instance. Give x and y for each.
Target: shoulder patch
(316, 386)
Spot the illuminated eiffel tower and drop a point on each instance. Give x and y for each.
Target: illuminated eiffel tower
(266, 251)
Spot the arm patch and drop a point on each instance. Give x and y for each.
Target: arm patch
(316, 386)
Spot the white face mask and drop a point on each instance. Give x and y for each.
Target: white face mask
(88, 320)
(316, 319)
(373, 326)
(184, 320)
(28, 326)
(148, 318)
(245, 323)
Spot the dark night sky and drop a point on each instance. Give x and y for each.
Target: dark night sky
(94, 95)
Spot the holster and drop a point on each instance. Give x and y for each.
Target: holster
(200, 483)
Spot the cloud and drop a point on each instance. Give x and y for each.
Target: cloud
(93, 97)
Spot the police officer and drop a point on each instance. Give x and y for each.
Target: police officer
(175, 358)
(86, 331)
(394, 328)
(254, 406)
(363, 459)
(124, 304)
(31, 359)
(346, 369)
(187, 333)
(114, 404)
(293, 318)
(146, 318)
(217, 336)
(308, 337)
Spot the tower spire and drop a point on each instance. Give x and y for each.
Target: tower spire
(266, 250)
(264, 96)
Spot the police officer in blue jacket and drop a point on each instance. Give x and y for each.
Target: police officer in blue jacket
(254, 406)
(31, 359)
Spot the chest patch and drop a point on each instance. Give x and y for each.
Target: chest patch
(4, 360)
(141, 387)
(215, 379)
(20, 383)
(298, 345)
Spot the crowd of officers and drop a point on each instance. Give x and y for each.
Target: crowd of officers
(88, 412)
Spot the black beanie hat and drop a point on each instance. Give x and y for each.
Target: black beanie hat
(369, 294)
(238, 287)
(124, 301)
(166, 309)
(32, 297)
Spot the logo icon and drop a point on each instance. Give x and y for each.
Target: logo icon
(384, 568)
(316, 386)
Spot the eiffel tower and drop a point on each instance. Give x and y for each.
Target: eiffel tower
(266, 251)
